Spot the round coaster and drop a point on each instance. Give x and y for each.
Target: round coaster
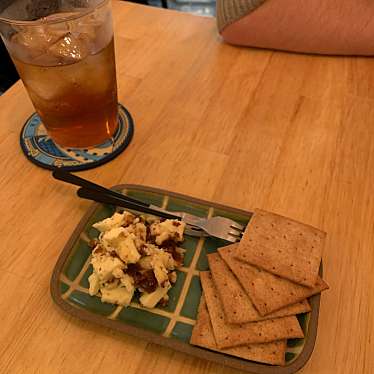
(40, 149)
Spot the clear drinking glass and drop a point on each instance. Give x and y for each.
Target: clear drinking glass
(64, 54)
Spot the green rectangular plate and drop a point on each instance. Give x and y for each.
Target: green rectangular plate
(172, 325)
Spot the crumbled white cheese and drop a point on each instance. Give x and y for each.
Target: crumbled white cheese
(127, 251)
(107, 224)
(123, 242)
(105, 265)
(146, 263)
(111, 284)
(118, 273)
(141, 231)
(111, 237)
(122, 252)
(128, 282)
(150, 300)
(150, 249)
(173, 277)
(119, 295)
(168, 229)
(160, 262)
(160, 270)
(167, 260)
(129, 218)
(94, 282)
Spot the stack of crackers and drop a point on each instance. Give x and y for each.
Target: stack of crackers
(255, 289)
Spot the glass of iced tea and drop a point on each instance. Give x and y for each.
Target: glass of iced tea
(64, 53)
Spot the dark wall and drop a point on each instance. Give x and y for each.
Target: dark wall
(8, 73)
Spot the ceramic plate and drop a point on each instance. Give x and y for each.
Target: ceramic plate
(172, 325)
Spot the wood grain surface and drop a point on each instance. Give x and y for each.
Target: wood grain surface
(248, 128)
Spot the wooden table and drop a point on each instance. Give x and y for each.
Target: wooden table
(290, 133)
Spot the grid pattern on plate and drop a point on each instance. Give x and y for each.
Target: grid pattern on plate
(176, 321)
(76, 282)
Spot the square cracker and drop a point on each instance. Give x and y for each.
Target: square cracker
(237, 306)
(230, 335)
(272, 353)
(283, 247)
(267, 292)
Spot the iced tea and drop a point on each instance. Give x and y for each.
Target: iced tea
(76, 102)
(66, 62)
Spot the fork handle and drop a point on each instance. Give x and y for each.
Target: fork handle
(90, 194)
(65, 176)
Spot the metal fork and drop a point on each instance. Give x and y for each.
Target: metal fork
(219, 227)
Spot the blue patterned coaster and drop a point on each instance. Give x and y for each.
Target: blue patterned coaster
(40, 149)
